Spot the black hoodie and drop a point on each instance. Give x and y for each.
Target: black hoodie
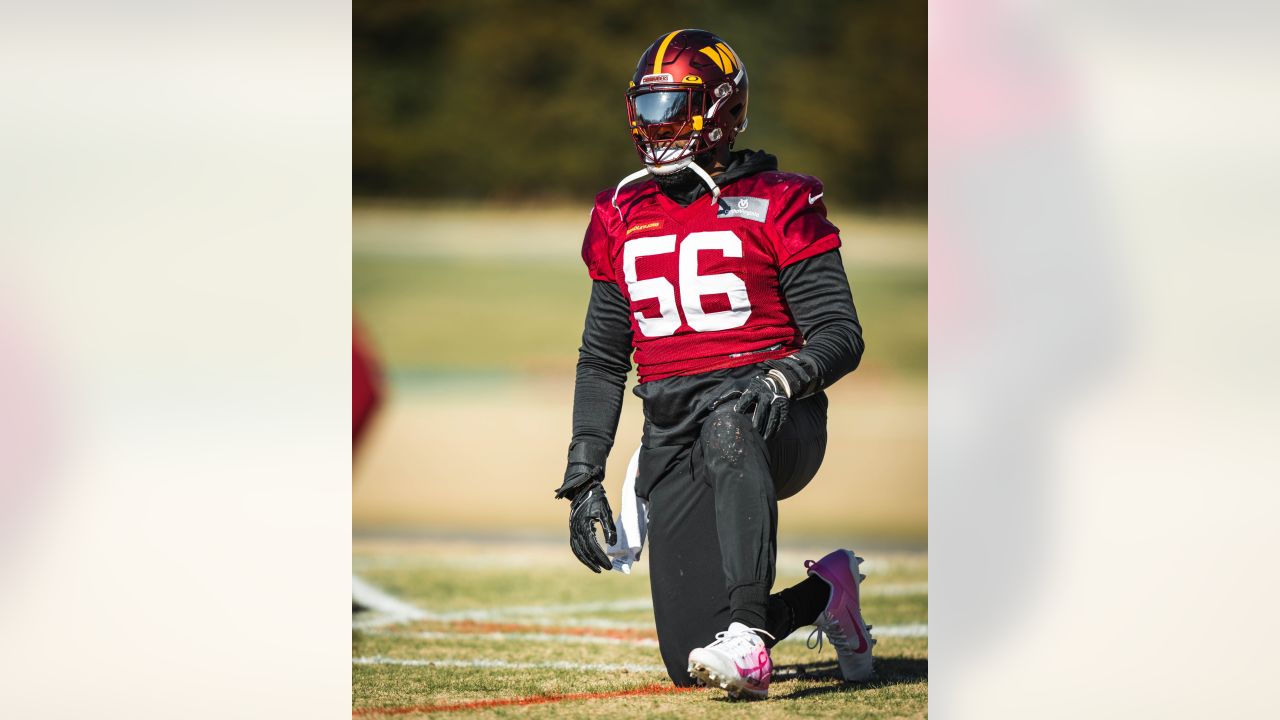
(816, 291)
(686, 186)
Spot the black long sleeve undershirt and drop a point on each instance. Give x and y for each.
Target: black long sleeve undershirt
(604, 359)
(816, 291)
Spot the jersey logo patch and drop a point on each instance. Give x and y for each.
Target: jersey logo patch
(644, 226)
(747, 208)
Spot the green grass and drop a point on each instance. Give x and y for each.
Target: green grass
(519, 585)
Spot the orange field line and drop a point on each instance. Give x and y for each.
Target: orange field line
(657, 689)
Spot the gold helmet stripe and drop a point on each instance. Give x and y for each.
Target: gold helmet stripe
(662, 51)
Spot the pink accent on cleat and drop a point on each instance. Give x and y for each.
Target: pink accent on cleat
(759, 672)
(842, 621)
(737, 662)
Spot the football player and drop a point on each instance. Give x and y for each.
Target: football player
(724, 276)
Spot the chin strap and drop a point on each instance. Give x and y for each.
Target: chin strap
(640, 174)
(626, 181)
(715, 189)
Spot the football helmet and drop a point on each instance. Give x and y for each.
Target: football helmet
(688, 97)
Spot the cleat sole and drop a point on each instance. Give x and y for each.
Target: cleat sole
(707, 677)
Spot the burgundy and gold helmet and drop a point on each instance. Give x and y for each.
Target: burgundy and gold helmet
(688, 97)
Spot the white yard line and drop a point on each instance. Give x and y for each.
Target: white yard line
(878, 631)
(523, 611)
(594, 623)
(388, 610)
(544, 610)
(561, 665)
(525, 637)
(895, 589)
(801, 635)
(913, 630)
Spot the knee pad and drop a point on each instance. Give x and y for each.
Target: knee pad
(726, 436)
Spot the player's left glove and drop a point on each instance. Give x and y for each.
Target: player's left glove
(588, 506)
(767, 397)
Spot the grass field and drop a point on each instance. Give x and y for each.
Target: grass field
(519, 629)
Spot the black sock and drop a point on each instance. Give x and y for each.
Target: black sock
(782, 619)
(796, 607)
(807, 600)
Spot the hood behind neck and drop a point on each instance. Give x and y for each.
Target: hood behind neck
(685, 186)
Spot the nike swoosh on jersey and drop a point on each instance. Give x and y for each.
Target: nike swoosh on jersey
(814, 198)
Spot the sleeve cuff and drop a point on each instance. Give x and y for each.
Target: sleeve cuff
(588, 453)
(813, 249)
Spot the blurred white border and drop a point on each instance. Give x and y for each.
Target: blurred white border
(176, 253)
(1101, 307)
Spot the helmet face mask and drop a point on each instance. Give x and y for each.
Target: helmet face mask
(688, 97)
(666, 124)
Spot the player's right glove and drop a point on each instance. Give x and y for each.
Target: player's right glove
(767, 398)
(768, 401)
(588, 506)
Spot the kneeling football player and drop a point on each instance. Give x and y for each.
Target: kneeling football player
(724, 276)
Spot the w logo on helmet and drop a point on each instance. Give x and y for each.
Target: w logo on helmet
(722, 56)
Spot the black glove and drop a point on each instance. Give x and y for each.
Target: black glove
(588, 506)
(767, 397)
(765, 400)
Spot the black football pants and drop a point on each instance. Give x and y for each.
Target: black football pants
(713, 526)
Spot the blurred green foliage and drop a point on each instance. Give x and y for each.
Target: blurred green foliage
(508, 100)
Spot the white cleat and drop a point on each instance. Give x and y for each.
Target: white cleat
(737, 662)
(842, 621)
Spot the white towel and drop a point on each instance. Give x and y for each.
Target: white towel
(633, 522)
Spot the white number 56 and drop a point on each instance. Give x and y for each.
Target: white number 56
(692, 285)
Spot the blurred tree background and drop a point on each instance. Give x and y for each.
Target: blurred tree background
(505, 100)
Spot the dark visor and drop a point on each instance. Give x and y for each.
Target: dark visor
(662, 107)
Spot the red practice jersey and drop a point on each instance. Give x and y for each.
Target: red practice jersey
(702, 280)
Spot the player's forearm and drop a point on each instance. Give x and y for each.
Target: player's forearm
(817, 292)
(597, 404)
(603, 363)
